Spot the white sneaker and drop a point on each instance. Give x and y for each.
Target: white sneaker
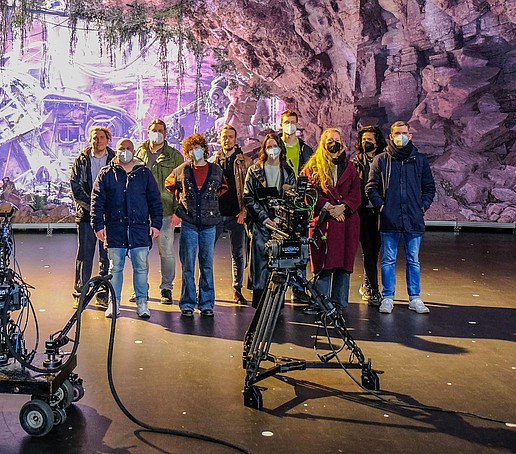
(109, 311)
(142, 309)
(387, 306)
(417, 305)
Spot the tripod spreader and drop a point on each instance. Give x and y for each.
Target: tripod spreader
(259, 336)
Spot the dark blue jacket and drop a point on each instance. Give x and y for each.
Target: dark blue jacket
(403, 189)
(127, 204)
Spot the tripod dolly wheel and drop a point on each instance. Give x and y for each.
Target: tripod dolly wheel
(36, 418)
(78, 392)
(253, 398)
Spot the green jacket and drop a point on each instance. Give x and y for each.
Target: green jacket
(168, 159)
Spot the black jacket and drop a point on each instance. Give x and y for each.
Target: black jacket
(127, 204)
(81, 184)
(403, 189)
(258, 211)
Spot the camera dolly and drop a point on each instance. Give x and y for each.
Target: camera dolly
(259, 336)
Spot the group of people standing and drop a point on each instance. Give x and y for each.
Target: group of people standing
(126, 198)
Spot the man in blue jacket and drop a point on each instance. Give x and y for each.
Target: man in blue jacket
(127, 214)
(401, 186)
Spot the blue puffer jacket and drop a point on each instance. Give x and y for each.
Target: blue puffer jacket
(127, 204)
(402, 188)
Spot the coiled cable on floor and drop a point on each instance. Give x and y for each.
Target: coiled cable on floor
(126, 412)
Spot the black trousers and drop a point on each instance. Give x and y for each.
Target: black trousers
(370, 241)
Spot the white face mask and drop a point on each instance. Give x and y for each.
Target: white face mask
(156, 137)
(197, 154)
(125, 155)
(290, 128)
(273, 152)
(401, 140)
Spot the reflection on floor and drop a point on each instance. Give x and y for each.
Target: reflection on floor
(187, 374)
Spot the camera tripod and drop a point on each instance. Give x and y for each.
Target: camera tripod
(259, 336)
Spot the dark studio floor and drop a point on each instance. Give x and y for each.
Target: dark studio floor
(187, 374)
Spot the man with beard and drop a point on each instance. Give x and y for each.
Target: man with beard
(401, 186)
(234, 166)
(161, 158)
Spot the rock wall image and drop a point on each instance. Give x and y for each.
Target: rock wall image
(446, 66)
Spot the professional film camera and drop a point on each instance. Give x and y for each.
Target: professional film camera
(289, 251)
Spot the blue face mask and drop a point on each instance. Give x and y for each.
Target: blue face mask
(401, 140)
(273, 152)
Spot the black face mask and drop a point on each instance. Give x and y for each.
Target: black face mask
(334, 147)
(369, 147)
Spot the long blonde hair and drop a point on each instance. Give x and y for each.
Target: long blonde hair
(320, 164)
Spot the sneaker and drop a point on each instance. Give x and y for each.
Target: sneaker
(132, 298)
(375, 299)
(186, 313)
(101, 300)
(299, 296)
(142, 309)
(239, 298)
(365, 292)
(166, 296)
(417, 305)
(386, 306)
(109, 311)
(207, 313)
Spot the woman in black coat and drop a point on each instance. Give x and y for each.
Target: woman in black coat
(270, 171)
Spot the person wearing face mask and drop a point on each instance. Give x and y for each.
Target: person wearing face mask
(127, 214)
(369, 143)
(197, 185)
(161, 158)
(269, 171)
(84, 172)
(338, 189)
(298, 153)
(401, 186)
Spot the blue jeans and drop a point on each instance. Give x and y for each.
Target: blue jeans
(237, 236)
(86, 244)
(338, 280)
(411, 244)
(166, 252)
(139, 260)
(197, 240)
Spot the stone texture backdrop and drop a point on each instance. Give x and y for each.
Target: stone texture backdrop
(447, 66)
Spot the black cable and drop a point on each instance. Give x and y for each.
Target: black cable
(399, 404)
(126, 412)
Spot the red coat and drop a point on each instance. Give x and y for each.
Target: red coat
(339, 248)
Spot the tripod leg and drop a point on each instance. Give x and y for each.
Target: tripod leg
(259, 336)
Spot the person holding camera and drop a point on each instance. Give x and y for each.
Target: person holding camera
(336, 228)
(264, 180)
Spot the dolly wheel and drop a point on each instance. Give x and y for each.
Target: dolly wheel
(78, 392)
(59, 416)
(36, 418)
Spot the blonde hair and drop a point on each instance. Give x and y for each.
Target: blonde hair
(94, 129)
(320, 164)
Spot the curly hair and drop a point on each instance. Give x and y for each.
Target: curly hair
(262, 154)
(380, 140)
(191, 142)
(320, 164)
